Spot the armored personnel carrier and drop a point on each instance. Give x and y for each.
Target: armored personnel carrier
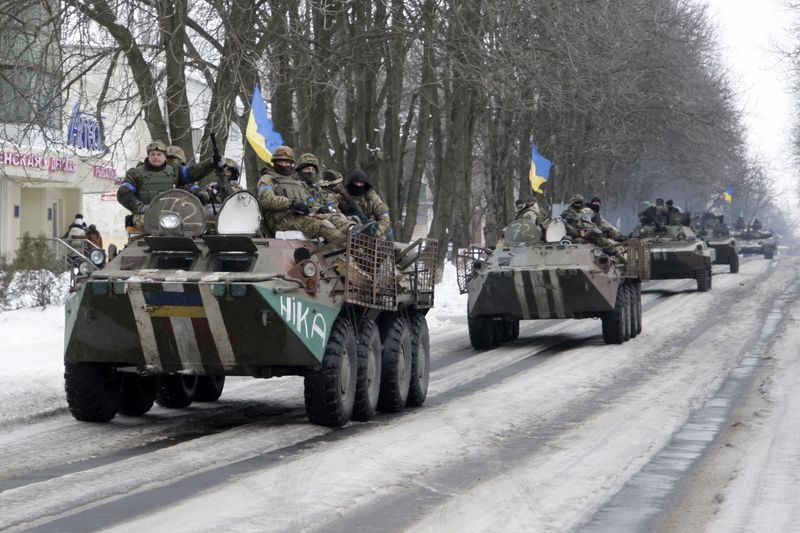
(179, 309)
(527, 278)
(758, 242)
(677, 252)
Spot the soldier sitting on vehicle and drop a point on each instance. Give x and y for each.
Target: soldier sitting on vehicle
(284, 198)
(230, 172)
(154, 176)
(654, 217)
(360, 199)
(675, 216)
(605, 226)
(177, 159)
(577, 219)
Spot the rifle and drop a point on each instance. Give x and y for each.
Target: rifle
(351, 204)
(225, 185)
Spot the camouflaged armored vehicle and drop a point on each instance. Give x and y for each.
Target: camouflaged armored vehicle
(676, 252)
(179, 309)
(527, 278)
(758, 242)
(726, 249)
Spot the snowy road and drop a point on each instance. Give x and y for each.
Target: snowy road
(693, 425)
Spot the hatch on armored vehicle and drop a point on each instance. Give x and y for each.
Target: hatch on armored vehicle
(528, 278)
(179, 309)
(676, 252)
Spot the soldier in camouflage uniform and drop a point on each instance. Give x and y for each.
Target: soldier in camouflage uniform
(578, 221)
(154, 176)
(229, 171)
(605, 226)
(176, 157)
(676, 217)
(655, 215)
(359, 188)
(284, 199)
(529, 211)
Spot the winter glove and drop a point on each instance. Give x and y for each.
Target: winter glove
(299, 207)
(323, 210)
(142, 208)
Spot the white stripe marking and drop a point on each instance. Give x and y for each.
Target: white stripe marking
(144, 326)
(217, 327)
(185, 337)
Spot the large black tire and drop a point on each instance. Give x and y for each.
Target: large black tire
(483, 333)
(420, 361)
(396, 361)
(330, 392)
(93, 391)
(614, 321)
(368, 382)
(703, 280)
(734, 264)
(176, 391)
(628, 320)
(209, 388)
(138, 394)
(507, 330)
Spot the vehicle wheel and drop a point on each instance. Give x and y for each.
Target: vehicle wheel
(704, 280)
(330, 392)
(176, 391)
(734, 264)
(482, 333)
(395, 365)
(628, 310)
(420, 361)
(614, 321)
(368, 380)
(93, 391)
(513, 330)
(769, 254)
(138, 394)
(209, 388)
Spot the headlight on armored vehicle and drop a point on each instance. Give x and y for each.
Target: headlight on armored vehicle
(85, 268)
(169, 221)
(597, 252)
(699, 248)
(309, 270)
(98, 257)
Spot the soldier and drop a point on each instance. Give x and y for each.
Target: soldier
(654, 215)
(675, 217)
(605, 226)
(578, 221)
(176, 157)
(756, 225)
(230, 172)
(360, 191)
(329, 198)
(527, 210)
(284, 197)
(154, 176)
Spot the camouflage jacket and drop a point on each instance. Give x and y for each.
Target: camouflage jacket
(375, 210)
(606, 227)
(275, 194)
(143, 183)
(577, 220)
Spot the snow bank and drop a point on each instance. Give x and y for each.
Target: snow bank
(450, 307)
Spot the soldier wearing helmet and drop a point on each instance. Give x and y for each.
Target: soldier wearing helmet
(177, 159)
(284, 197)
(654, 215)
(154, 176)
(578, 221)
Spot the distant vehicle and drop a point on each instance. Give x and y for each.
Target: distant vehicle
(725, 246)
(757, 242)
(179, 309)
(676, 252)
(528, 278)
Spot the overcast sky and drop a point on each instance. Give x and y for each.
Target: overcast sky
(750, 33)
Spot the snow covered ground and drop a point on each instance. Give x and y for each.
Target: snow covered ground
(547, 433)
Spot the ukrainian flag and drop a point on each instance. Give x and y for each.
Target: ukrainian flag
(540, 170)
(728, 194)
(260, 132)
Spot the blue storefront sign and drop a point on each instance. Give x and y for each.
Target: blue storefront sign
(84, 131)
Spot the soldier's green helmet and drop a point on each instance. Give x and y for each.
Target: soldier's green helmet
(157, 145)
(331, 178)
(176, 152)
(306, 160)
(283, 153)
(576, 200)
(230, 163)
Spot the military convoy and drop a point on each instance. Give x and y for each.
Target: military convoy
(759, 242)
(180, 308)
(676, 252)
(527, 277)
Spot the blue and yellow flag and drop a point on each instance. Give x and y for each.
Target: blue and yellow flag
(728, 194)
(540, 170)
(260, 132)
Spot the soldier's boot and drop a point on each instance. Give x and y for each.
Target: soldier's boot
(617, 252)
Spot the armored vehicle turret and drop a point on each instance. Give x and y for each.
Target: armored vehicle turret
(179, 309)
(527, 278)
(756, 241)
(676, 252)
